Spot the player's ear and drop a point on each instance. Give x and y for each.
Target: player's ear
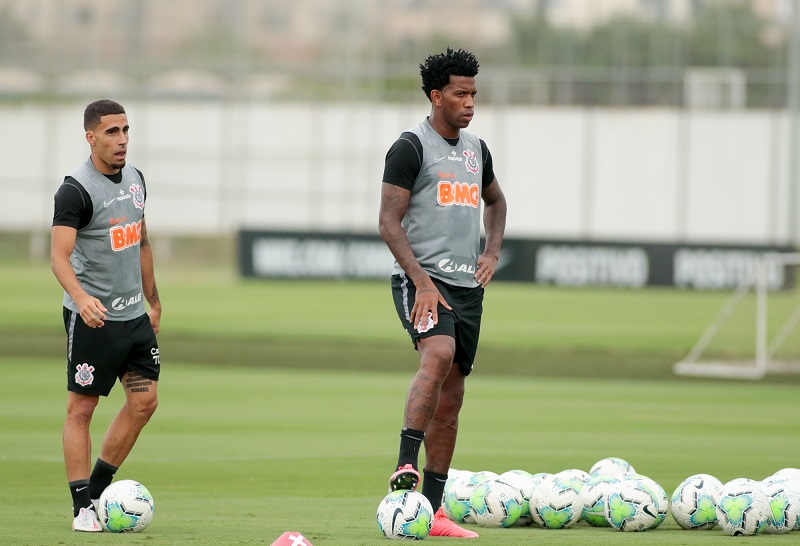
(436, 97)
(90, 137)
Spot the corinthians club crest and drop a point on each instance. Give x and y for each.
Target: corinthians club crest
(472, 161)
(84, 376)
(138, 195)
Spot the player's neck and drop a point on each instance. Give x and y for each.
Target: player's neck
(445, 130)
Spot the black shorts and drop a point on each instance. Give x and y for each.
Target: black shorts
(96, 357)
(463, 323)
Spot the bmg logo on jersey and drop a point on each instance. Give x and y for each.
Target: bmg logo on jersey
(126, 236)
(458, 193)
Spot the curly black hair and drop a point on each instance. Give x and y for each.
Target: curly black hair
(98, 109)
(437, 69)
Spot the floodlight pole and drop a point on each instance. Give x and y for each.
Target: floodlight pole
(793, 106)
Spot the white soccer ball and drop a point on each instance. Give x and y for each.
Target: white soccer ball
(632, 506)
(660, 496)
(786, 474)
(594, 497)
(496, 503)
(611, 466)
(556, 502)
(784, 502)
(457, 493)
(524, 482)
(694, 502)
(126, 506)
(405, 514)
(742, 508)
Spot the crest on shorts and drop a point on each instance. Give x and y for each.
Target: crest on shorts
(138, 195)
(84, 376)
(422, 328)
(472, 161)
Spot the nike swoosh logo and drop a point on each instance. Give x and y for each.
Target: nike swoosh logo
(438, 159)
(81, 488)
(106, 204)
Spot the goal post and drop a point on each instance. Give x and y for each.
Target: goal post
(766, 353)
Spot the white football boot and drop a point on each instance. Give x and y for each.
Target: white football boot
(87, 521)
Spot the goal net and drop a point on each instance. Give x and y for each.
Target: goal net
(755, 332)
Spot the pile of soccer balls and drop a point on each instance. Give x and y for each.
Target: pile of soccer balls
(611, 494)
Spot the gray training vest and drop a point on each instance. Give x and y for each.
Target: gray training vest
(443, 221)
(106, 256)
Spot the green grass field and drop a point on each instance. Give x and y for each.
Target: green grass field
(281, 404)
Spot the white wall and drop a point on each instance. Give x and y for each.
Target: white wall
(651, 174)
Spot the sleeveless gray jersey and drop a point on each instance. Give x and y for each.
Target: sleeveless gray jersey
(443, 221)
(106, 255)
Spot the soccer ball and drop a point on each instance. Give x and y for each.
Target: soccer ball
(126, 506)
(496, 503)
(742, 508)
(694, 502)
(786, 474)
(611, 466)
(660, 496)
(456, 504)
(405, 514)
(784, 502)
(556, 502)
(594, 497)
(525, 483)
(632, 506)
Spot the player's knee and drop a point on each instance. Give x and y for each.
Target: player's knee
(81, 408)
(144, 407)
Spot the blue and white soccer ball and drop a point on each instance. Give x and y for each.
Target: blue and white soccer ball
(405, 514)
(784, 501)
(125, 506)
(632, 506)
(742, 508)
(556, 502)
(525, 483)
(594, 497)
(694, 502)
(458, 492)
(496, 503)
(611, 466)
(658, 493)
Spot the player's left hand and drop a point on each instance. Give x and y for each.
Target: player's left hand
(155, 318)
(487, 265)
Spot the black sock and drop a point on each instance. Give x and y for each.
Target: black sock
(410, 442)
(80, 496)
(101, 477)
(433, 488)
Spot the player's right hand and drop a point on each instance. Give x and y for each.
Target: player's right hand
(92, 312)
(426, 304)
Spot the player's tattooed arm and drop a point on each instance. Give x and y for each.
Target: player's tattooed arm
(394, 204)
(494, 222)
(149, 279)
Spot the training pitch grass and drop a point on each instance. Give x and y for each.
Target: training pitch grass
(281, 404)
(238, 455)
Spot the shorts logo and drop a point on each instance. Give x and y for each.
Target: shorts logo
(138, 195)
(422, 328)
(472, 161)
(84, 376)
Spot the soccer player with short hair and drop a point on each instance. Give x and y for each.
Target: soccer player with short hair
(436, 177)
(101, 256)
